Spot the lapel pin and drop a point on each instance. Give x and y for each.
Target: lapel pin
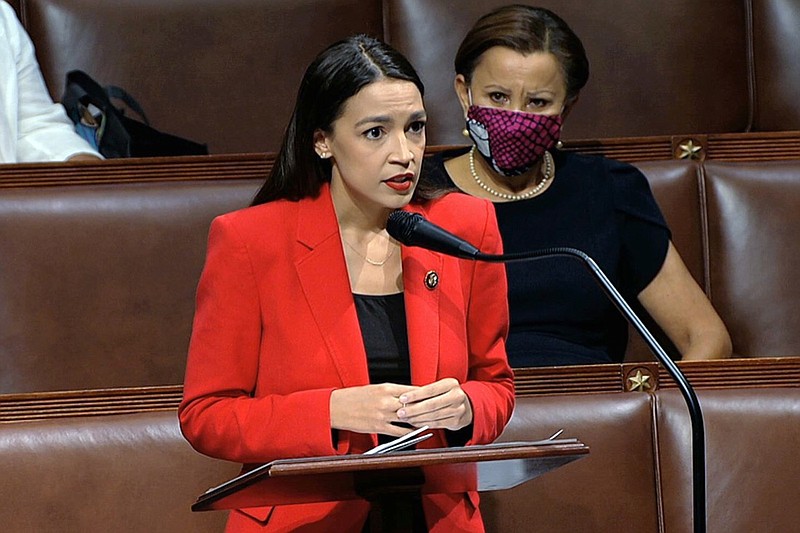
(431, 280)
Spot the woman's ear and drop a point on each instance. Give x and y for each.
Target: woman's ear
(462, 91)
(321, 145)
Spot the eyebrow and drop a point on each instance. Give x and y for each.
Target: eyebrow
(538, 92)
(494, 87)
(380, 119)
(502, 89)
(385, 119)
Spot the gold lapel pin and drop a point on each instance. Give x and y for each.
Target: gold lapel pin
(431, 280)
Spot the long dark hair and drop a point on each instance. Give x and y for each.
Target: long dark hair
(338, 73)
(526, 29)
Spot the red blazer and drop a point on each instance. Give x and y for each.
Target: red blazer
(276, 330)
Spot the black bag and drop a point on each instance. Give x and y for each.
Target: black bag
(109, 130)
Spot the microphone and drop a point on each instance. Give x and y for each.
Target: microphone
(412, 229)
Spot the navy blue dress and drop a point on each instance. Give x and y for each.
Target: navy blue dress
(559, 315)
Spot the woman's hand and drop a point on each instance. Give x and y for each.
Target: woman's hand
(441, 405)
(369, 409)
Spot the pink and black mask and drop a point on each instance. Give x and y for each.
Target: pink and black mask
(512, 141)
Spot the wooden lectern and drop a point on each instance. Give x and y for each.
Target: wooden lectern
(392, 481)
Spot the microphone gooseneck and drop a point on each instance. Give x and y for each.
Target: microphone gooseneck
(412, 229)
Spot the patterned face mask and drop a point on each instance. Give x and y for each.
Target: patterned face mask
(512, 141)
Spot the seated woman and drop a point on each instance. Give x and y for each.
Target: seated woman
(317, 334)
(34, 128)
(519, 71)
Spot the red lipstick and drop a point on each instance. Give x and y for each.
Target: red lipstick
(401, 182)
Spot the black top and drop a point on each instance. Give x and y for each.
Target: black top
(383, 326)
(559, 315)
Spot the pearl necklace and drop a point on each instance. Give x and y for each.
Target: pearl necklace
(549, 172)
(372, 261)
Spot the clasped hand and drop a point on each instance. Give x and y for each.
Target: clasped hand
(377, 408)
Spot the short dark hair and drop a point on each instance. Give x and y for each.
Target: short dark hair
(526, 29)
(337, 74)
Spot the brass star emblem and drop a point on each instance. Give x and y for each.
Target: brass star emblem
(639, 382)
(690, 150)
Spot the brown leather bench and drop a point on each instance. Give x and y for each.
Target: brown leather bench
(611, 488)
(226, 73)
(751, 440)
(100, 261)
(123, 473)
(99, 280)
(101, 264)
(752, 253)
(752, 437)
(134, 472)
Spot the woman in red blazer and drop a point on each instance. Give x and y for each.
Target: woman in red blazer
(317, 334)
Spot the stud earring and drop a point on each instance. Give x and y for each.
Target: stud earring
(559, 145)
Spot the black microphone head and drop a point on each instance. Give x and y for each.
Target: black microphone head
(401, 224)
(411, 229)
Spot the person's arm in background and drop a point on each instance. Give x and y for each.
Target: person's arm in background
(683, 311)
(657, 274)
(44, 132)
(83, 157)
